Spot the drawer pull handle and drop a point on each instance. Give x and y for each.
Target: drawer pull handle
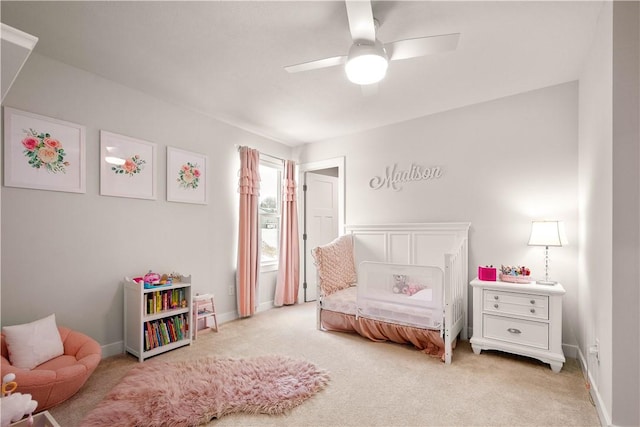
(532, 301)
(495, 305)
(514, 331)
(533, 310)
(495, 297)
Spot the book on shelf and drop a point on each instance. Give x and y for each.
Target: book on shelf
(156, 331)
(166, 330)
(159, 301)
(172, 329)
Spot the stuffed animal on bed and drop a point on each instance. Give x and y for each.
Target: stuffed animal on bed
(399, 283)
(402, 285)
(413, 288)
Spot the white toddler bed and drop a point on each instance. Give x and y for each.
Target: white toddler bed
(410, 286)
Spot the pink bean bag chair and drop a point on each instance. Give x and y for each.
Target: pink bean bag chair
(56, 380)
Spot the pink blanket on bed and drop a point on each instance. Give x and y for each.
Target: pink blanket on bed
(429, 341)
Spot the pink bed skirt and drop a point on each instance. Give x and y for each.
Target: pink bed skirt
(427, 340)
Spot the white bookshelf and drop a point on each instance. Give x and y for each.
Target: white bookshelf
(152, 328)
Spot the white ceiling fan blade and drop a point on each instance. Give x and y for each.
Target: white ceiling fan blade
(421, 46)
(361, 22)
(314, 65)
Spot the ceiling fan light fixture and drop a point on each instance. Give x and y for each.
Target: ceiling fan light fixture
(366, 63)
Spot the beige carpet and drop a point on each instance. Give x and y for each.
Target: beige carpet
(375, 384)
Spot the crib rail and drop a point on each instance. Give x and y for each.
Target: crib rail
(456, 297)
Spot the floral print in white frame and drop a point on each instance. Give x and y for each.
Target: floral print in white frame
(186, 176)
(43, 153)
(127, 166)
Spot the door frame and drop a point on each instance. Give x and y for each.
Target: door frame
(336, 162)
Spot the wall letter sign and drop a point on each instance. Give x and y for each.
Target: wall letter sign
(393, 177)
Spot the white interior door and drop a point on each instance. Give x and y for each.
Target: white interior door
(321, 221)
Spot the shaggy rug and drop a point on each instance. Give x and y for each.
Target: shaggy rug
(193, 393)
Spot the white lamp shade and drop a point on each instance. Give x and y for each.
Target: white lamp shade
(547, 233)
(367, 64)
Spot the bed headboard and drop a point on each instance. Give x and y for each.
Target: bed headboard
(417, 243)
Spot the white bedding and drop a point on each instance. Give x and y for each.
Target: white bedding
(343, 301)
(402, 309)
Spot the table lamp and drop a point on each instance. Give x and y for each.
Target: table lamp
(547, 233)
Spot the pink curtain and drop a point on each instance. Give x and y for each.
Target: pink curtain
(289, 267)
(248, 232)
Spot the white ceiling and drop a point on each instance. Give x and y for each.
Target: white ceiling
(225, 58)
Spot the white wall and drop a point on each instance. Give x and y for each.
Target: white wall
(626, 214)
(610, 213)
(504, 163)
(67, 253)
(596, 222)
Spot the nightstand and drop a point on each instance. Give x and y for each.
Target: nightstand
(519, 318)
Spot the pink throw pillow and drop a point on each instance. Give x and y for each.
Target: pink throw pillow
(335, 264)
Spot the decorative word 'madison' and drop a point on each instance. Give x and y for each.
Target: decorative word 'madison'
(393, 177)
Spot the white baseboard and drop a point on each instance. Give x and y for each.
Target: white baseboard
(570, 351)
(233, 315)
(603, 415)
(113, 349)
(227, 317)
(265, 306)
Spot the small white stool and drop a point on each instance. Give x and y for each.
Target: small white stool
(203, 308)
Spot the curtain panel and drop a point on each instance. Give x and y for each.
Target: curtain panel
(248, 269)
(289, 260)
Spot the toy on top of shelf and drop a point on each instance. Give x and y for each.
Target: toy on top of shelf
(152, 278)
(166, 280)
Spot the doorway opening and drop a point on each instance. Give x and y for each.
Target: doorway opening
(321, 215)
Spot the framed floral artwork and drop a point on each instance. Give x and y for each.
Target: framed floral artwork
(186, 176)
(43, 153)
(127, 166)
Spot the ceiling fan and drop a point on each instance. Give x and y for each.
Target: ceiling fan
(368, 58)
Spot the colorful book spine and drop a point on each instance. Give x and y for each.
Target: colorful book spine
(156, 331)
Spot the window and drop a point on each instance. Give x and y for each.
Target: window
(269, 213)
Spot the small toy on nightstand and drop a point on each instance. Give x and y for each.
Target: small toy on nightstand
(487, 273)
(515, 274)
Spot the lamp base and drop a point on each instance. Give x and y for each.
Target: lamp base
(546, 282)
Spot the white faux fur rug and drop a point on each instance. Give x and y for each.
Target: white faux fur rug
(191, 393)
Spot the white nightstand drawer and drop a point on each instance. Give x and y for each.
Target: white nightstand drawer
(527, 305)
(517, 331)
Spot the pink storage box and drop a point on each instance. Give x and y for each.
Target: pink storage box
(487, 273)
